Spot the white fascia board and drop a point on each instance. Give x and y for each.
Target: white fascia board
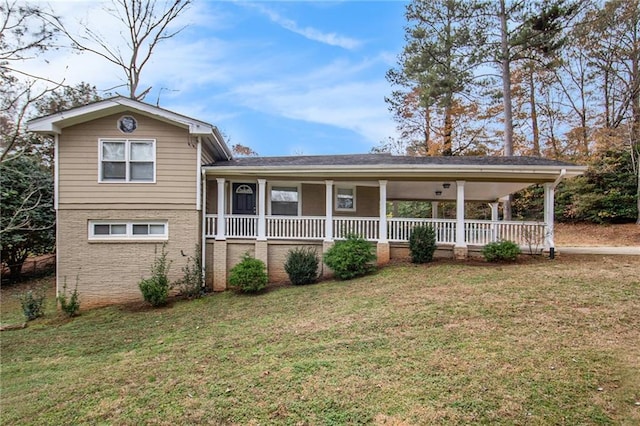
(481, 171)
(54, 122)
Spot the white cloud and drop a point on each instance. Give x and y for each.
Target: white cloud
(311, 33)
(356, 106)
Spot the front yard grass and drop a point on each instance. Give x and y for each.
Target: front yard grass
(538, 342)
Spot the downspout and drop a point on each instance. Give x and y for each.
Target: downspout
(56, 202)
(200, 206)
(559, 178)
(203, 243)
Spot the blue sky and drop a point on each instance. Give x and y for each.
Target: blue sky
(283, 77)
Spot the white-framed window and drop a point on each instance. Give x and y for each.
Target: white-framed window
(127, 160)
(285, 200)
(128, 230)
(345, 198)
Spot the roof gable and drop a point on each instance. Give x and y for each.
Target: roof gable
(54, 123)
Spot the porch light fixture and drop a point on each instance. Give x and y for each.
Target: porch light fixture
(438, 193)
(446, 185)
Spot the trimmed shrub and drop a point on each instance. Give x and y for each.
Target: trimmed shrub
(422, 244)
(190, 286)
(155, 290)
(350, 258)
(302, 265)
(502, 251)
(70, 307)
(32, 302)
(250, 275)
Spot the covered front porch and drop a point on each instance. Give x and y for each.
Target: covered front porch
(267, 205)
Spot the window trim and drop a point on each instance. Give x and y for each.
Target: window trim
(335, 198)
(128, 235)
(127, 160)
(298, 187)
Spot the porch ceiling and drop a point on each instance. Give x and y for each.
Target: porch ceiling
(473, 191)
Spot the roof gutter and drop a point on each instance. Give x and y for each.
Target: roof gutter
(223, 146)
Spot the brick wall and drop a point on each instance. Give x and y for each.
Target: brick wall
(109, 272)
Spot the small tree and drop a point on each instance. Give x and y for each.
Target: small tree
(250, 275)
(155, 289)
(422, 244)
(350, 258)
(32, 302)
(27, 217)
(70, 306)
(192, 279)
(302, 265)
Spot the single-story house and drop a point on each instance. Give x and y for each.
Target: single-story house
(130, 177)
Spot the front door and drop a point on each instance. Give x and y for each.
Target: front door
(244, 198)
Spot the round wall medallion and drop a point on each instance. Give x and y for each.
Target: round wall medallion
(127, 124)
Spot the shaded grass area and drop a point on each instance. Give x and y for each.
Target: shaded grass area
(540, 342)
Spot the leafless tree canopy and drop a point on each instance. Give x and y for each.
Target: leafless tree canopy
(145, 24)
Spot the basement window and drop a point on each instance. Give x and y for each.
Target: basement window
(128, 230)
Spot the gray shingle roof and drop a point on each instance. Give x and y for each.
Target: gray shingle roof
(386, 159)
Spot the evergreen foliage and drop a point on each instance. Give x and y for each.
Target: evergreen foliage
(191, 284)
(155, 290)
(70, 306)
(501, 251)
(302, 265)
(249, 276)
(27, 217)
(350, 258)
(32, 302)
(422, 244)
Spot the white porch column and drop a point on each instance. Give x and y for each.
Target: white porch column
(328, 221)
(382, 248)
(262, 220)
(549, 217)
(460, 248)
(221, 234)
(494, 219)
(434, 209)
(382, 237)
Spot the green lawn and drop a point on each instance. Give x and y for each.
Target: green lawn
(541, 342)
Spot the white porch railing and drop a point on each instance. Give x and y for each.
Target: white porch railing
(366, 227)
(399, 229)
(295, 227)
(477, 232)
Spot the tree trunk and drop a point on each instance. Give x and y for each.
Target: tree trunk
(448, 132)
(506, 98)
(534, 113)
(506, 81)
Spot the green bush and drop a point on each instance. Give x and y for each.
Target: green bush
(249, 276)
(422, 244)
(350, 258)
(71, 307)
(32, 302)
(190, 285)
(155, 290)
(302, 265)
(502, 251)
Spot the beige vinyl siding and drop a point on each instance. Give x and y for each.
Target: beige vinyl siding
(313, 199)
(176, 163)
